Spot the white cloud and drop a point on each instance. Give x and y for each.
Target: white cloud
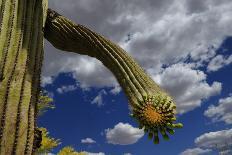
(207, 142)
(98, 100)
(196, 151)
(86, 70)
(222, 112)
(127, 154)
(88, 141)
(211, 139)
(218, 62)
(89, 153)
(116, 90)
(174, 31)
(123, 134)
(46, 80)
(187, 85)
(68, 88)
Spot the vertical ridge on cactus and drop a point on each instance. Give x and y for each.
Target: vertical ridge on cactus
(151, 106)
(21, 48)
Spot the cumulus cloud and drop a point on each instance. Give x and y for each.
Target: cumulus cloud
(87, 71)
(174, 31)
(213, 139)
(218, 62)
(196, 151)
(88, 141)
(123, 134)
(98, 100)
(207, 142)
(221, 112)
(187, 85)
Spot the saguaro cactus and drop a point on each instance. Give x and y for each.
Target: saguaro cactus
(21, 54)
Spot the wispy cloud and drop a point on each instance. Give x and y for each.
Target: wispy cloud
(90, 153)
(98, 100)
(196, 151)
(88, 141)
(218, 62)
(116, 90)
(46, 80)
(127, 154)
(67, 88)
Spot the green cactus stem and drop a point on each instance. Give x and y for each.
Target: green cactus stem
(151, 106)
(21, 55)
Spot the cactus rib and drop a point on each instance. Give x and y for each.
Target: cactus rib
(21, 43)
(151, 106)
(5, 37)
(7, 93)
(18, 119)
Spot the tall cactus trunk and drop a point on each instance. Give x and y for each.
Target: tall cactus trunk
(21, 55)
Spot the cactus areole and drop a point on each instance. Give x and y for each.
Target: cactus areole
(23, 25)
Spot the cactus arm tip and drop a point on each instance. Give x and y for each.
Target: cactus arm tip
(156, 114)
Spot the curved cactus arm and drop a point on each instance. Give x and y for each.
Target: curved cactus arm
(21, 54)
(151, 106)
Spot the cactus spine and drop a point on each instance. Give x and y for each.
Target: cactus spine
(21, 54)
(151, 106)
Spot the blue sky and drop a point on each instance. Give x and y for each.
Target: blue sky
(185, 46)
